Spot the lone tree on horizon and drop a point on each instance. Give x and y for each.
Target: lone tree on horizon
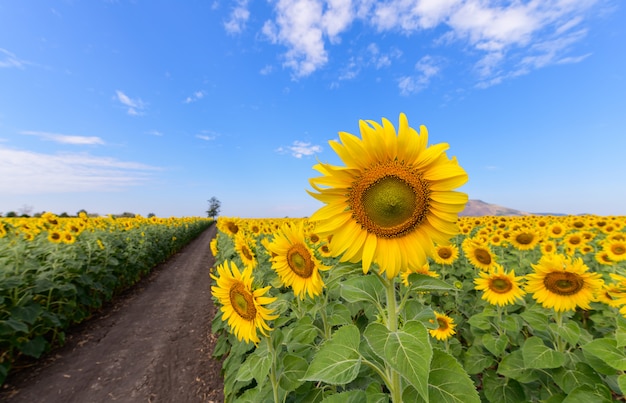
(214, 207)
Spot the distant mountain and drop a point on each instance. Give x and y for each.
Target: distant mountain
(477, 208)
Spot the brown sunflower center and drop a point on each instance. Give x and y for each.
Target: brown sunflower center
(563, 283)
(482, 255)
(242, 302)
(390, 200)
(246, 252)
(524, 238)
(444, 253)
(500, 285)
(299, 260)
(443, 323)
(232, 227)
(618, 249)
(575, 240)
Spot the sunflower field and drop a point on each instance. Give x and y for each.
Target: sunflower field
(385, 294)
(55, 272)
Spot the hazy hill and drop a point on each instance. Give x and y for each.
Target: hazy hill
(476, 208)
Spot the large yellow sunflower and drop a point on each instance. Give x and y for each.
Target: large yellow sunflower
(392, 200)
(499, 287)
(242, 307)
(295, 262)
(445, 329)
(562, 283)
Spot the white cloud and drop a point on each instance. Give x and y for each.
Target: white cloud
(198, 95)
(27, 172)
(154, 132)
(299, 149)
(499, 34)
(207, 135)
(135, 106)
(427, 67)
(8, 59)
(266, 70)
(380, 59)
(64, 138)
(238, 17)
(302, 25)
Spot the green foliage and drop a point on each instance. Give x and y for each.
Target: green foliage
(353, 343)
(46, 287)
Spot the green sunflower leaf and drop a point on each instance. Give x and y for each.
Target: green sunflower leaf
(537, 355)
(606, 350)
(338, 361)
(448, 382)
(502, 390)
(351, 396)
(409, 352)
(363, 288)
(422, 282)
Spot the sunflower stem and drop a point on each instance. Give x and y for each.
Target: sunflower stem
(560, 343)
(392, 326)
(273, 379)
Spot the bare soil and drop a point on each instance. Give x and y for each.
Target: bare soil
(151, 344)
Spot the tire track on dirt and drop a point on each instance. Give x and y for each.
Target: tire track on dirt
(153, 344)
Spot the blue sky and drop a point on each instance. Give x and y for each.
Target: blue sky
(151, 106)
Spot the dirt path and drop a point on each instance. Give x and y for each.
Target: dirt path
(153, 344)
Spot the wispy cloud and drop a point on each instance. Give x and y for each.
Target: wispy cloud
(380, 59)
(64, 138)
(135, 106)
(8, 59)
(496, 34)
(198, 95)
(300, 149)
(207, 135)
(427, 67)
(27, 172)
(238, 17)
(154, 133)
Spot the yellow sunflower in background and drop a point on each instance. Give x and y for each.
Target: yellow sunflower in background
(499, 287)
(603, 258)
(230, 226)
(556, 230)
(213, 246)
(243, 246)
(548, 247)
(446, 254)
(562, 283)
(242, 306)
(524, 238)
(478, 254)
(68, 237)
(445, 329)
(295, 262)
(615, 249)
(392, 200)
(55, 236)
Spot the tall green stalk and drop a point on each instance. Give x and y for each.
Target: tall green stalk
(392, 326)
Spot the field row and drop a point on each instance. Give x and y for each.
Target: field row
(55, 272)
